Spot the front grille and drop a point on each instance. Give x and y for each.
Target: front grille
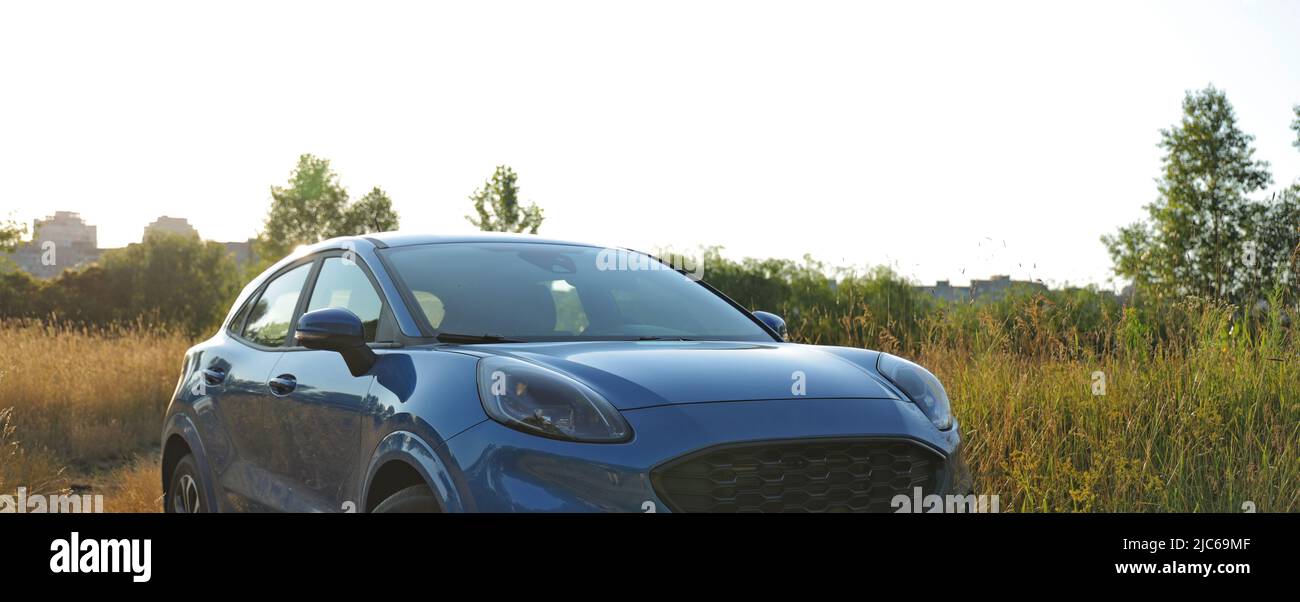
(809, 475)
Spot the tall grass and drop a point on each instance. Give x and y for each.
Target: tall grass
(1200, 412)
(80, 398)
(1204, 420)
(39, 472)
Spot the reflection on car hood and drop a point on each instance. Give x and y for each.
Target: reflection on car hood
(637, 374)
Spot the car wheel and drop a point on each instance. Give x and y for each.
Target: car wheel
(418, 498)
(185, 492)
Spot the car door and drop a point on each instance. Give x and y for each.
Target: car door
(252, 461)
(319, 402)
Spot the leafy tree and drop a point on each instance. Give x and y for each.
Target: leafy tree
(314, 206)
(1290, 236)
(1132, 253)
(20, 294)
(1295, 126)
(11, 234)
(497, 205)
(1273, 229)
(91, 296)
(371, 213)
(174, 280)
(170, 280)
(1195, 240)
(303, 211)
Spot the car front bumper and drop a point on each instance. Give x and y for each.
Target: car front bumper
(499, 469)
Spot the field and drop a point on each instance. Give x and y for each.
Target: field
(81, 410)
(1113, 419)
(1210, 432)
(1210, 423)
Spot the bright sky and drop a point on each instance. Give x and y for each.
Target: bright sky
(925, 137)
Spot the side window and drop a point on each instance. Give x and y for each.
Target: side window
(344, 284)
(237, 323)
(268, 320)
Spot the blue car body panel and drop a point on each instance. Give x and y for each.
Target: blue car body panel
(320, 447)
(509, 471)
(637, 374)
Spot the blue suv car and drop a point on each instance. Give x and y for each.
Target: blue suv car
(509, 373)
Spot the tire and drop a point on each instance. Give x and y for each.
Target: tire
(185, 489)
(418, 498)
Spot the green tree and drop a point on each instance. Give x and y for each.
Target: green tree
(371, 213)
(11, 234)
(1195, 241)
(20, 294)
(167, 279)
(314, 206)
(1295, 126)
(497, 205)
(1287, 224)
(1273, 235)
(1273, 229)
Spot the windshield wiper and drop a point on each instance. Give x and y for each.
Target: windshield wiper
(451, 337)
(652, 337)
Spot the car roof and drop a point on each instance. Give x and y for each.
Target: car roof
(406, 239)
(382, 240)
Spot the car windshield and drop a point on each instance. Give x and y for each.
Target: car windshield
(552, 292)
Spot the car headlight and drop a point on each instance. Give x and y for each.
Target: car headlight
(923, 388)
(539, 401)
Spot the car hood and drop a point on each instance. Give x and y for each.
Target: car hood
(638, 374)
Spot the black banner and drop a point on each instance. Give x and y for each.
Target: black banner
(959, 551)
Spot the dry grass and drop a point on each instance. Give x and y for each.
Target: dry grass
(38, 471)
(1205, 423)
(78, 400)
(1201, 433)
(133, 487)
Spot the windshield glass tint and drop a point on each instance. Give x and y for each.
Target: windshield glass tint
(532, 291)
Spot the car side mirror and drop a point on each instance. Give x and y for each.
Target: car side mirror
(772, 321)
(336, 329)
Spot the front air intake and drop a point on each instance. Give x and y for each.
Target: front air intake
(806, 475)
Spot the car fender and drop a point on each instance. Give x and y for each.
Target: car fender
(180, 424)
(405, 446)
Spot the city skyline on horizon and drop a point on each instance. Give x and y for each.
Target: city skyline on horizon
(172, 223)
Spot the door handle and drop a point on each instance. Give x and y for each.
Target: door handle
(282, 385)
(214, 376)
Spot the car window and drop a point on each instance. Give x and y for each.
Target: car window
(237, 323)
(344, 284)
(270, 317)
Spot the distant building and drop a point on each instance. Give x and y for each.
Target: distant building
(996, 287)
(242, 251)
(171, 225)
(947, 292)
(66, 228)
(59, 242)
(72, 243)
